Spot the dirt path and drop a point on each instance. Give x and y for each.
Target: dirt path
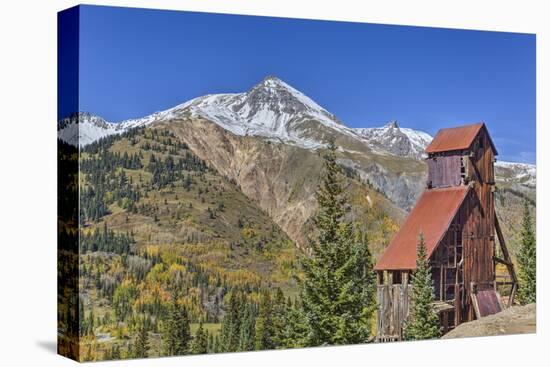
(515, 320)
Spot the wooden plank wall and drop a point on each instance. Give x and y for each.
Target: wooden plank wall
(476, 216)
(444, 170)
(393, 310)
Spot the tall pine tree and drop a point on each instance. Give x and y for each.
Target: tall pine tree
(248, 328)
(527, 260)
(295, 330)
(200, 341)
(141, 349)
(231, 323)
(423, 322)
(177, 333)
(264, 323)
(279, 318)
(338, 286)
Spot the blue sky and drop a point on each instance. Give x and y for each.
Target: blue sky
(134, 62)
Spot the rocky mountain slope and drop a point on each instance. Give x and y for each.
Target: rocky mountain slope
(276, 112)
(281, 178)
(269, 141)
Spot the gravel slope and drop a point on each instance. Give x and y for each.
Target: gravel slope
(515, 320)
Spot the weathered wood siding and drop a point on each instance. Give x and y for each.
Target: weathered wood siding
(478, 216)
(393, 310)
(475, 221)
(444, 171)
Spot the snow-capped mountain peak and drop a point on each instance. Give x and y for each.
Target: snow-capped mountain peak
(282, 98)
(271, 109)
(396, 140)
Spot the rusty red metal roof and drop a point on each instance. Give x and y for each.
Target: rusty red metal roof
(431, 216)
(455, 138)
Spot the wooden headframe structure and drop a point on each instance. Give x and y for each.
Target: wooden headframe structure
(456, 216)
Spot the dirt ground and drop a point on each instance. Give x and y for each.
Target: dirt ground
(515, 320)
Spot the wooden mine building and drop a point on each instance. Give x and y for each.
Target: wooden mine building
(456, 216)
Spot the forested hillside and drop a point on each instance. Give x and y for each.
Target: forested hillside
(167, 241)
(159, 222)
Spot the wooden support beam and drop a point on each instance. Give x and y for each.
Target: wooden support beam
(474, 300)
(405, 278)
(476, 171)
(502, 261)
(508, 261)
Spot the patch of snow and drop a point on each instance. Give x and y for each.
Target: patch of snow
(396, 140)
(525, 173)
(278, 113)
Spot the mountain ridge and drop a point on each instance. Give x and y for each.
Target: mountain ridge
(271, 109)
(238, 113)
(388, 157)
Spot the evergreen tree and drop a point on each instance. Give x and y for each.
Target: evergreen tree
(231, 323)
(423, 322)
(295, 330)
(248, 328)
(211, 346)
(200, 341)
(81, 318)
(264, 323)
(91, 322)
(338, 285)
(115, 352)
(527, 260)
(142, 343)
(279, 318)
(130, 351)
(177, 333)
(216, 346)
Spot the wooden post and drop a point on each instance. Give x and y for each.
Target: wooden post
(475, 169)
(405, 278)
(507, 261)
(442, 281)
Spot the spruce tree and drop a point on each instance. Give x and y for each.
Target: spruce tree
(231, 323)
(130, 351)
(217, 345)
(279, 318)
(338, 284)
(264, 323)
(142, 343)
(527, 260)
(115, 352)
(248, 328)
(295, 330)
(423, 322)
(177, 334)
(211, 347)
(200, 341)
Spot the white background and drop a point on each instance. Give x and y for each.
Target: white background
(28, 180)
